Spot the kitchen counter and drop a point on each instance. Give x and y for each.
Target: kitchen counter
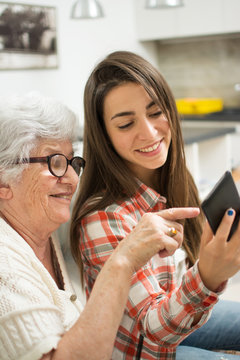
(201, 133)
(226, 115)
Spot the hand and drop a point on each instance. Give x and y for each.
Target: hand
(150, 236)
(219, 259)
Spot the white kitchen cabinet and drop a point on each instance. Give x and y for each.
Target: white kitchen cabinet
(199, 17)
(235, 150)
(208, 159)
(195, 18)
(231, 16)
(155, 24)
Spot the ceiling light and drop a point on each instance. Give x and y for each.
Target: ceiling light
(86, 9)
(157, 4)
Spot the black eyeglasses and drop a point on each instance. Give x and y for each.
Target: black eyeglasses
(58, 163)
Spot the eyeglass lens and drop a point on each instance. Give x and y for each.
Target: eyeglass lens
(77, 165)
(58, 164)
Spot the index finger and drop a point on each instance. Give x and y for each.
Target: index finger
(179, 213)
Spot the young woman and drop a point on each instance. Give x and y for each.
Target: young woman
(136, 166)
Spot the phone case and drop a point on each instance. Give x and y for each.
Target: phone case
(223, 196)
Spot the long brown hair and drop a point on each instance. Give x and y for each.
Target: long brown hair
(106, 177)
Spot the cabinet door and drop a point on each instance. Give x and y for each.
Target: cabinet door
(154, 24)
(195, 18)
(200, 17)
(231, 16)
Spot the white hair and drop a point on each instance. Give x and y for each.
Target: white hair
(24, 120)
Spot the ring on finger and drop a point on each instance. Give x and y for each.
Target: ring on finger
(172, 232)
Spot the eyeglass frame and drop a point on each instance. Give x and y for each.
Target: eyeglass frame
(47, 159)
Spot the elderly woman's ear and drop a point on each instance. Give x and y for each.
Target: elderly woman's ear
(5, 192)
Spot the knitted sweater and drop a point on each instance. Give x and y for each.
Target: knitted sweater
(34, 312)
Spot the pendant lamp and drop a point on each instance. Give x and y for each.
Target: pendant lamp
(158, 4)
(86, 9)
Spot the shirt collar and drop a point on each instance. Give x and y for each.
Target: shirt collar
(148, 198)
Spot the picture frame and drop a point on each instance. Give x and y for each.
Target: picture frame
(28, 37)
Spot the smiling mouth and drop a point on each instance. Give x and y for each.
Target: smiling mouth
(150, 148)
(67, 197)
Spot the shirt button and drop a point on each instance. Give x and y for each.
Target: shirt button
(73, 297)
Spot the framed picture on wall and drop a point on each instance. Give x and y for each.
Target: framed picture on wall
(28, 36)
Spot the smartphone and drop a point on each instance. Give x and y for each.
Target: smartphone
(223, 196)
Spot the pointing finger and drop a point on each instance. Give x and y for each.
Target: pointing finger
(179, 213)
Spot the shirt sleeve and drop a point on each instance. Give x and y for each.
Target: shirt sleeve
(164, 311)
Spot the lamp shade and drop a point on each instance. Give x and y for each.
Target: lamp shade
(156, 4)
(86, 9)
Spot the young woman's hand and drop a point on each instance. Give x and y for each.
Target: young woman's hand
(151, 236)
(219, 259)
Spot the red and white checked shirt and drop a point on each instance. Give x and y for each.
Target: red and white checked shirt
(157, 307)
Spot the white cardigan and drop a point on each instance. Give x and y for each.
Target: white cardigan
(34, 312)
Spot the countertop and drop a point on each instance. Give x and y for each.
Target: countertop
(226, 115)
(198, 134)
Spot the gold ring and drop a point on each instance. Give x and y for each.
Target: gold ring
(172, 232)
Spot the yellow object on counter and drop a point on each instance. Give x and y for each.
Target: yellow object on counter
(199, 105)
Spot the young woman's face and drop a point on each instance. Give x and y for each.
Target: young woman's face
(138, 129)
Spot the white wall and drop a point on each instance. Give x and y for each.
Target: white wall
(81, 44)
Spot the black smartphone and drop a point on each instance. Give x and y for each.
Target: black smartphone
(223, 196)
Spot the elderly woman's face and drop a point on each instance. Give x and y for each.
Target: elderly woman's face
(41, 199)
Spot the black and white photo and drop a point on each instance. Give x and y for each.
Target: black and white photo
(28, 36)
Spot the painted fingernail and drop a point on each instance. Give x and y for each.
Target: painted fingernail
(230, 212)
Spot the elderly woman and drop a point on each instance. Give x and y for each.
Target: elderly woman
(40, 316)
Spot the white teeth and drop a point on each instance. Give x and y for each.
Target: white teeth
(61, 196)
(151, 148)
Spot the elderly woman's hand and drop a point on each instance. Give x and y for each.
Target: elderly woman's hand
(151, 236)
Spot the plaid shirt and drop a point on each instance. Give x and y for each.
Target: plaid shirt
(157, 307)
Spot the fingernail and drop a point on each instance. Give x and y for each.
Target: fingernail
(230, 212)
